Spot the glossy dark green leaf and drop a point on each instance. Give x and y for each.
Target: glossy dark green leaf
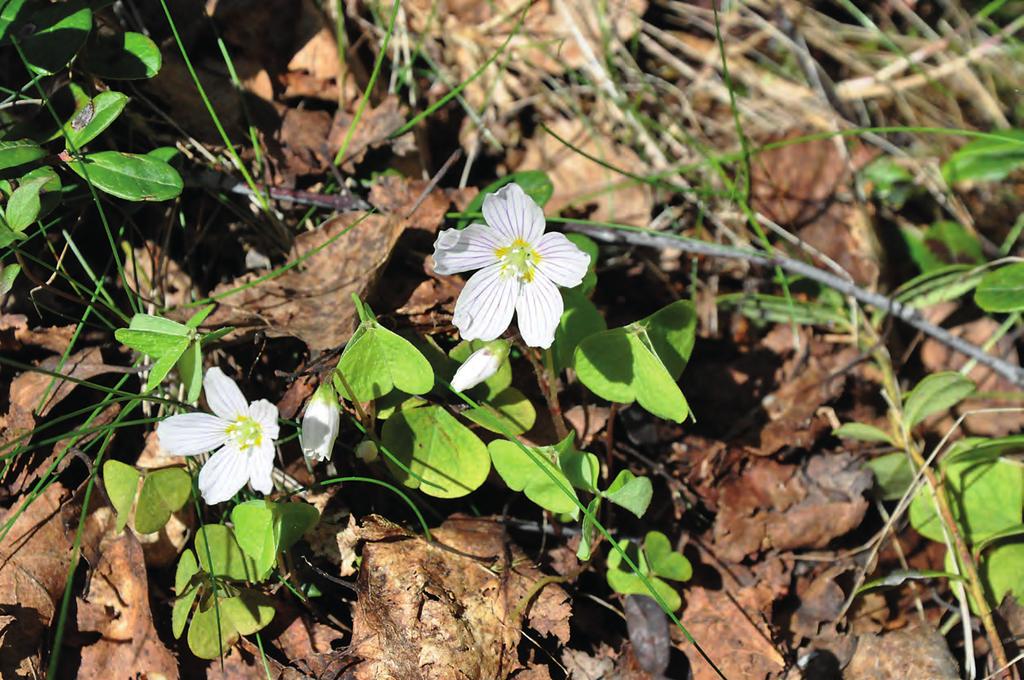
(18, 152)
(122, 56)
(55, 33)
(93, 117)
(129, 176)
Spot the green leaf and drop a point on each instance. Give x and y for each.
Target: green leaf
(579, 321)
(8, 274)
(10, 11)
(935, 393)
(1011, 532)
(18, 152)
(940, 285)
(225, 557)
(190, 366)
(672, 330)
(622, 580)
(163, 492)
(58, 31)
(264, 528)
(244, 614)
(376, 361)
(163, 339)
(942, 243)
(618, 366)
(588, 530)
(587, 245)
(1002, 290)
(185, 591)
(510, 412)
(580, 468)
(985, 159)
(862, 432)
(663, 560)
(900, 576)
(129, 176)
(24, 204)
(893, 474)
(491, 387)
(124, 55)
(95, 116)
(521, 473)
(1001, 571)
(121, 482)
(630, 492)
(984, 498)
(446, 459)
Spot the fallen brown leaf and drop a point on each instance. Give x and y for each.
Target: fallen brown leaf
(14, 333)
(30, 388)
(906, 654)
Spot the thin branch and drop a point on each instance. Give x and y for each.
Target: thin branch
(904, 312)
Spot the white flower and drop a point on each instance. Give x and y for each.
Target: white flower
(480, 365)
(320, 424)
(242, 433)
(520, 267)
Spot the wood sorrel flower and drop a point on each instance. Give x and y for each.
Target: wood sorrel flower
(243, 434)
(520, 267)
(480, 365)
(320, 424)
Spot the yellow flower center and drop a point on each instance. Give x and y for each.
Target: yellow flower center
(246, 432)
(519, 260)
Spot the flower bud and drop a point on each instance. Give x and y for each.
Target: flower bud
(320, 424)
(480, 365)
(366, 451)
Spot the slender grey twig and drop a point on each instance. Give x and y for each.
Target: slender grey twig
(904, 312)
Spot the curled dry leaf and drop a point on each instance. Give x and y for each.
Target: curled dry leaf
(34, 561)
(582, 184)
(116, 606)
(33, 389)
(648, 632)
(785, 507)
(445, 609)
(15, 333)
(902, 655)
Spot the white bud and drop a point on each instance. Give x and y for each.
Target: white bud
(320, 424)
(480, 365)
(366, 451)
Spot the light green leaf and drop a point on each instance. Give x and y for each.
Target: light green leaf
(579, 321)
(244, 614)
(588, 530)
(521, 473)
(630, 492)
(935, 393)
(510, 412)
(1002, 290)
(163, 365)
(24, 204)
(190, 366)
(663, 560)
(672, 331)
(985, 499)
(225, 557)
(124, 55)
(8, 274)
(59, 31)
(163, 492)
(93, 117)
(129, 176)
(862, 432)
(376, 361)
(986, 159)
(18, 152)
(1002, 573)
(446, 459)
(185, 591)
(264, 528)
(893, 474)
(121, 482)
(580, 468)
(624, 581)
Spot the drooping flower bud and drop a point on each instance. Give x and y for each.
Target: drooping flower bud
(320, 424)
(480, 365)
(366, 451)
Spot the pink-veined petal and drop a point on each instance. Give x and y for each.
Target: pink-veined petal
(485, 306)
(223, 395)
(223, 475)
(463, 250)
(538, 310)
(188, 434)
(265, 413)
(561, 260)
(514, 214)
(261, 465)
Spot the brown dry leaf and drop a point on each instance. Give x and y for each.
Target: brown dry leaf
(738, 641)
(303, 136)
(800, 187)
(786, 507)
(316, 67)
(116, 606)
(157, 276)
(821, 601)
(533, 672)
(587, 420)
(14, 333)
(907, 654)
(34, 561)
(429, 612)
(30, 387)
(373, 130)
(583, 185)
(408, 199)
(583, 666)
(313, 301)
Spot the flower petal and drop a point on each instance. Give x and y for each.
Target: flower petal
(561, 260)
(261, 465)
(265, 413)
(188, 434)
(485, 306)
(539, 308)
(223, 395)
(463, 250)
(514, 214)
(223, 475)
